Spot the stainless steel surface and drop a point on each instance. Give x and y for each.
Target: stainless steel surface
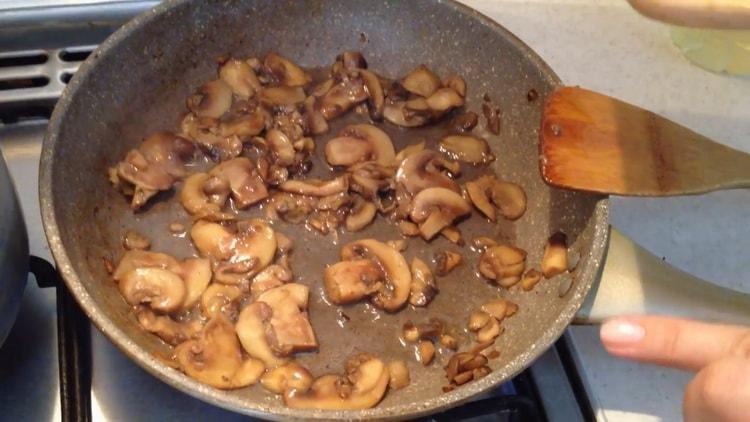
(101, 87)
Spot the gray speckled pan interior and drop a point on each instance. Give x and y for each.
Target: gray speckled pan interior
(136, 83)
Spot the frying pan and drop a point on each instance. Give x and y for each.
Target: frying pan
(135, 83)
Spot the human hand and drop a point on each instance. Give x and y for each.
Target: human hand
(719, 354)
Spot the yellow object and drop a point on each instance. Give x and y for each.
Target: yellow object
(715, 50)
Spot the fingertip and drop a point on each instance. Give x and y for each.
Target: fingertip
(621, 332)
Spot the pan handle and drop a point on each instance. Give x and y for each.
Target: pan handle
(634, 281)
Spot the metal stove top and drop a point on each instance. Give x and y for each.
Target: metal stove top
(41, 45)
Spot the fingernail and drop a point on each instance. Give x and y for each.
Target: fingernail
(621, 332)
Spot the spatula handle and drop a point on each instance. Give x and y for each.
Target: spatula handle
(634, 281)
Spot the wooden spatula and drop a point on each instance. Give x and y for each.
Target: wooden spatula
(593, 142)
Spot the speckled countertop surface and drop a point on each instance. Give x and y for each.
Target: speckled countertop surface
(606, 46)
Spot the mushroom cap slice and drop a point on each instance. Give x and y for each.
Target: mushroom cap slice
(213, 99)
(290, 330)
(313, 187)
(217, 297)
(423, 286)
(503, 263)
(424, 169)
(213, 240)
(168, 151)
(253, 241)
(470, 149)
(444, 99)
(144, 259)
(285, 71)
(196, 201)
(398, 276)
(397, 114)
(437, 208)
(281, 146)
(368, 382)
(246, 185)
(290, 376)
(240, 77)
(361, 216)
(350, 281)
(341, 97)
(162, 290)
(478, 193)
(251, 330)
(167, 329)
(374, 88)
(382, 149)
(196, 272)
(421, 81)
(215, 357)
(281, 95)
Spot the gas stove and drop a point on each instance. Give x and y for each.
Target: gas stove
(52, 355)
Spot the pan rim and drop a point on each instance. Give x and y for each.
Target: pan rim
(234, 402)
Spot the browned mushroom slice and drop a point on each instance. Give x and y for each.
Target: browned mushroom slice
(499, 308)
(282, 95)
(289, 327)
(399, 115)
(244, 181)
(167, 329)
(155, 166)
(446, 261)
(368, 179)
(245, 125)
(352, 60)
(477, 320)
(287, 377)
(555, 259)
(271, 277)
(421, 81)
(342, 96)
(436, 208)
(453, 234)
(215, 358)
(399, 374)
(361, 216)
(466, 148)
(286, 72)
(362, 388)
(408, 229)
(350, 281)
(376, 100)
(251, 330)
(290, 208)
(162, 290)
(134, 240)
(203, 196)
(487, 192)
(281, 146)
(408, 151)
(456, 83)
(240, 77)
(504, 264)
(144, 259)
(312, 187)
(426, 169)
(212, 99)
(444, 99)
(315, 122)
(359, 143)
(206, 132)
(220, 299)
(423, 286)
(395, 292)
(196, 272)
(489, 332)
(464, 122)
(530, 279)
(425, 352)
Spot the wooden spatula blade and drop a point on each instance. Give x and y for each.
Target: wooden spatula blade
(592, 142)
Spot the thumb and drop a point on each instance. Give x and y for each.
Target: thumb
(720, 392)
(674, 342)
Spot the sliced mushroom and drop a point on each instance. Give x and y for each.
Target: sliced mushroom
(446, 261)
(285, 71)
(421, 81)
(444, 99)
(407, 228)
(425, 352)
(352, 60)
(215, 358)
(342, 96)
(369, 179)
(220, 299)
(196, 272)
(251, 330)
(399, 115)
(399, 374)
(167, 329)
(436, 208)
(289, 330)
(408, 151)
(198, 202)
(481, 243)
(313, 187)
(500, 308)
(456, 83)
(555, 259)
(489, 332)
(453, 234)
(243, 179)
(213, 240)
(361, 216)
(362, 388)
(144, 259)
(425, 330)
(423, 286)
(271, 277)
(467, 148)
(448, 341)
(477, 320)
(492, 115)
(240, 77)
(245, 125)
(399, 245)
(376, 100)
(213, 99)
(134, 240)
(487, 192)
(287, 377)
(282, 95)
(464, 122)
(504, 264)
(350, 281)
(530, 279)
(359, 143)
(163, 290)
(426, 169)
(396, 290)
(252, 240)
